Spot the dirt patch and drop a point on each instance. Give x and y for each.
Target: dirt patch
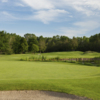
(37, 95)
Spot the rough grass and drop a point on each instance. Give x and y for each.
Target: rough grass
(65, 77)
(72, 54)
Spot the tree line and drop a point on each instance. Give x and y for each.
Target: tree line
(10, 43)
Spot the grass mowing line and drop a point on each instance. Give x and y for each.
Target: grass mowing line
(51, 78)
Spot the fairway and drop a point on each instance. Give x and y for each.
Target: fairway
(65, 77)
(45, 70)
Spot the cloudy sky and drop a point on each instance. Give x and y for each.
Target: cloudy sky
(50, 17)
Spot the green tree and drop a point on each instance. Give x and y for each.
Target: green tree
(31, 41)
(11, 39)
(16, 44)
(20, 45)
(28, 35)
(3, 42)
(42, 46)
(74, 44)
(23, 45)
(34, 48)
(95, 42)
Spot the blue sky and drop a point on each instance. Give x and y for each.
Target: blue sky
(50, 17)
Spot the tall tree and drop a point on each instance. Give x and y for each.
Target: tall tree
(32, 41)
(16, 45)
(42, 44)
(20, 45)
(23, 45)
(34, 48)
(74, 44)
(3, 42)
(28, 35)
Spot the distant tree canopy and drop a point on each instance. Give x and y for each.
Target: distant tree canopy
(3, 42)
(34, 48)
(12, 43)
(28, 35)
(32, 41)
(20, 45)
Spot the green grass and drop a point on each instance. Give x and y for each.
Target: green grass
(73, 54)
(65, 77)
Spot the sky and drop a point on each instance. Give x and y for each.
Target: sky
(50, 17)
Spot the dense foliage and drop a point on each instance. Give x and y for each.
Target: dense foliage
(12, 43)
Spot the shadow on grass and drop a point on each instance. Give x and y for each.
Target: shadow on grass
(88, 62)
(73, 62)
(84, 63)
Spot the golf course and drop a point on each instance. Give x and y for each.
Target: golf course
(71, 78)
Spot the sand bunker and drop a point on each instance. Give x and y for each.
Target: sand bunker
(37, 95)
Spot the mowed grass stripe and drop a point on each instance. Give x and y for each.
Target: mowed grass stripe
(50, 78)
(45, 70)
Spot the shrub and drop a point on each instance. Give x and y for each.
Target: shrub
(57, 58)
(43, 58)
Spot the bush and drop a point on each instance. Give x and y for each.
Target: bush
(22, 59)
(57, 58)
(43, 58)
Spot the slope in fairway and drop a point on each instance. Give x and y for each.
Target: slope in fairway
(10, 70)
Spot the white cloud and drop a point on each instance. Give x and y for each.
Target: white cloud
(84, 3)
(47, 15)
(71, 31)
(83, 6)
(83, 10)
(39, 4)
(50, 10)
(94, 4)
(80, 28)
(4, 0)
(90, 25)
(6, 16)
(19, 4)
